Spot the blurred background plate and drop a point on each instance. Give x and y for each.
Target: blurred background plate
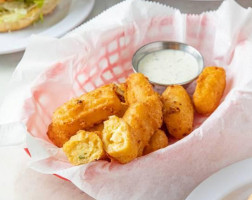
(67, 15)
(231, 183)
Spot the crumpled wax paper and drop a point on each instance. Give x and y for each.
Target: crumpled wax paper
(54, 70)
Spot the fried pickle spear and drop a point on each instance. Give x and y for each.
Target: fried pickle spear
(83, 112)
(158, 141)
(118, 139)
(209, 90)
(84, 147)
(178, 111)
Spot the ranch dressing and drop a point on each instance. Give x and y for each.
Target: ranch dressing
(169, 66)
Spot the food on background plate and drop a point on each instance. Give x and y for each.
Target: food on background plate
(209, 90)
(178, 111)
(84, 112)
(119, 140)
(159, 140)
(84, 147)
(48, 6)
(18, 14)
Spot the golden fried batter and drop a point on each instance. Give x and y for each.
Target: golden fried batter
(120, 90)
(83, 112)
(58, 135)
(98, 127)
(118, 139)
(138, 89)
(144, 114)
(158, 141)
(84, 147)
(125, 106)
(120, 121)
(178, 111)
(209, 90)
(144, 120)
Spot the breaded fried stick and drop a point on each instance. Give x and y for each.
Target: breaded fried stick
(145, 112)
(84, 147)
(178, 111)
(144, 115)
(119, 141)
(138, 89)
(209, 90)
(83, 112)
(144, 119)
(158, 141)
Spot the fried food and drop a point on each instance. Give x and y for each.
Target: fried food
(125, 107)
(120, 90)
(178, 111)
(158, 141)
(144, 114)
(84, 147)
(144, 120)
(58, 135)
(209, 90)
(118, 139)
(138, 89)
(83, 112)
(122, 122)
(98, 127)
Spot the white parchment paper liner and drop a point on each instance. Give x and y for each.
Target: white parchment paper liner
(46, 77)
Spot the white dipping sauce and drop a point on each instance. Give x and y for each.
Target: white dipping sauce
(169, 66)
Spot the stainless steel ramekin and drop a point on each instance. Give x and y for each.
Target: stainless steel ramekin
(161, 45)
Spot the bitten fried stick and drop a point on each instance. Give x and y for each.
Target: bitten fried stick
(84, 147)
(178, 111)
(209, 90)
(158, 141)
(118, 139)
(83, 112)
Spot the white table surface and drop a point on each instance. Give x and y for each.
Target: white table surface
(17, 181)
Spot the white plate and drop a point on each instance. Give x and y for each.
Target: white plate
(67, 15)
(231, 183)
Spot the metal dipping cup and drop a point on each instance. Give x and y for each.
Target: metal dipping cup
(161, 45)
